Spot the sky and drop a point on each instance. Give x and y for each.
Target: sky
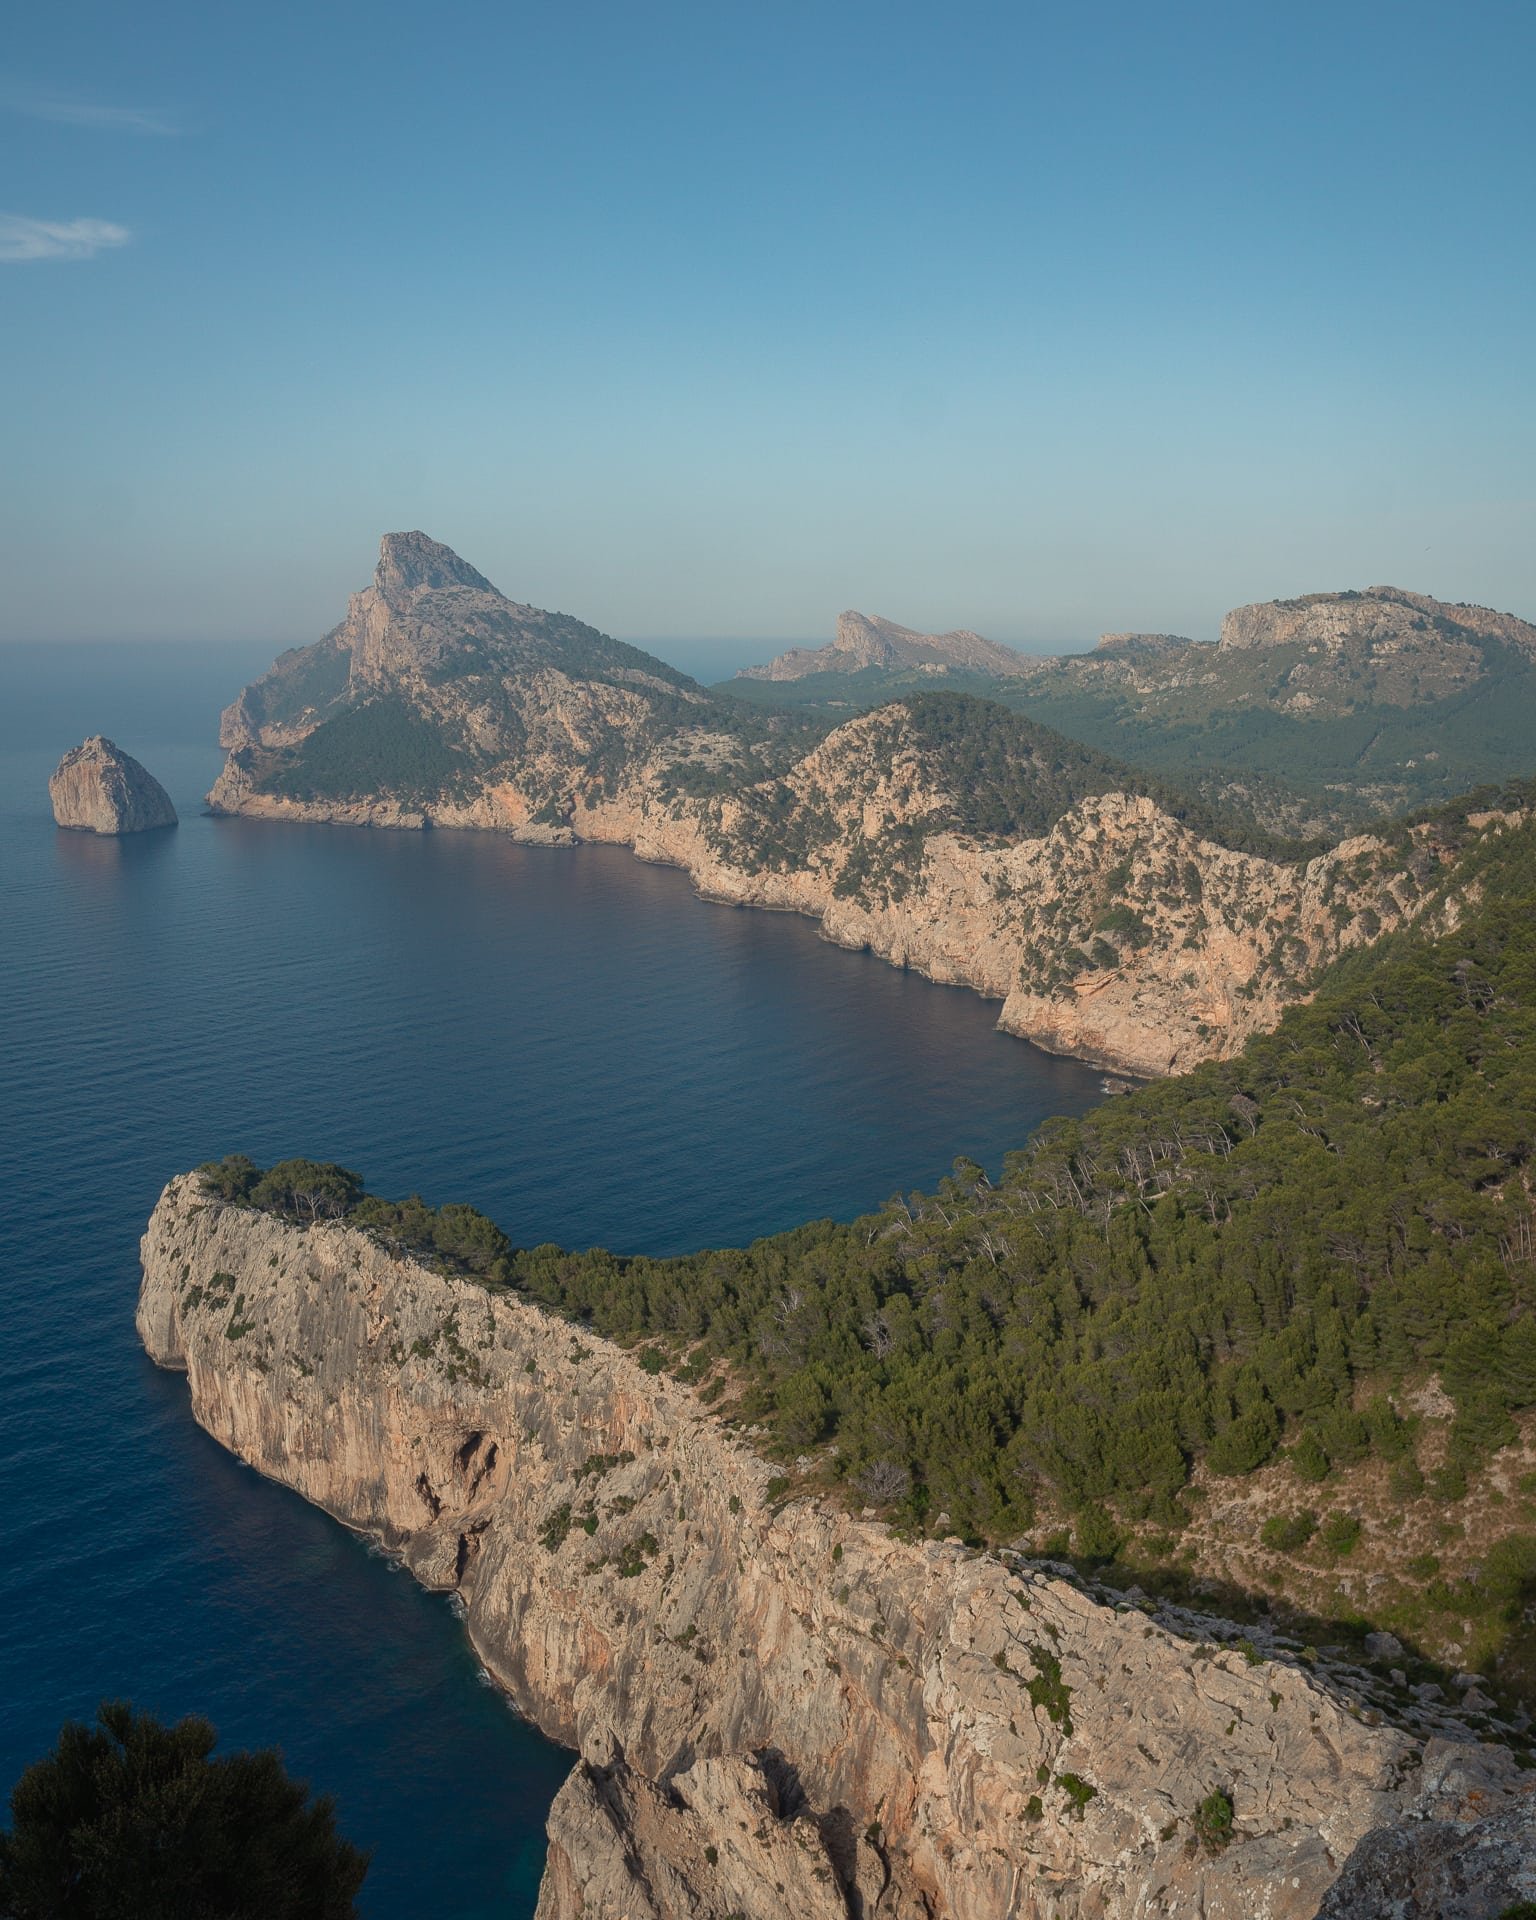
(708, 321)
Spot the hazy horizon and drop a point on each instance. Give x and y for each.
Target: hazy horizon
(711, 322)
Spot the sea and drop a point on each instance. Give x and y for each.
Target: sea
(566, 1038)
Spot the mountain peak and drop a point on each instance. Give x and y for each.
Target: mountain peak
(412, 563)
(867, 640)
(1388, 616)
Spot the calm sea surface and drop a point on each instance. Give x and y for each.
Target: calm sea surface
(567, 1039)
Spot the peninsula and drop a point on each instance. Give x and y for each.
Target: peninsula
(1112, 916)
(778, 1706)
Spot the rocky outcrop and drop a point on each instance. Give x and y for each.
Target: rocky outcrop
(1388, 619)
(779, 1706)
(97, 788)
(1142, 643)
(1106, 926)
(427, 629)
(865, 640)
(1466, 1869)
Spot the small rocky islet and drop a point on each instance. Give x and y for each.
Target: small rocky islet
(97, 788)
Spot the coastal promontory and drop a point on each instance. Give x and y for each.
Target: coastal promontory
(1111, 915)
(97, 788)
(778, 1705)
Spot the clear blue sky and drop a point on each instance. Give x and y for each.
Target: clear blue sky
(713, 320)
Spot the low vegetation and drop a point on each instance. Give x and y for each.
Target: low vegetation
(1218, 725)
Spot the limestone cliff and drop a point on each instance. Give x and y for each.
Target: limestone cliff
(1388, 620)
(779, 1707)
(943, 834)
(97, 788)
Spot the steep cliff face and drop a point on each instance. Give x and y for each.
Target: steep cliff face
(944, 835)
(97, 788)
(1381, 620)
(779, 1707)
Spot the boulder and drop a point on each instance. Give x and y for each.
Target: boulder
(1440, 1870)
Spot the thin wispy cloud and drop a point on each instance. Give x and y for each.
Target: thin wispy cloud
(66, 111)
(23, 239)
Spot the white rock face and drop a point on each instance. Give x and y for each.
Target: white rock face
(97, 788)
(780, 1708)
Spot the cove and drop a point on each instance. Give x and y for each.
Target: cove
(566, 1038)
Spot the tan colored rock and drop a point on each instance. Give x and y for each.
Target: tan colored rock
(97, 788)
(1390, 619)
(865, 640)
(785, 1684)
(713, 1841)
(1454, 1869)
(1117, 934)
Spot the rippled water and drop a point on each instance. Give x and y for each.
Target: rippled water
(568, 1039)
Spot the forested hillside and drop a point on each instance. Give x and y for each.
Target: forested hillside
(1251, 1270)
(1315, 715)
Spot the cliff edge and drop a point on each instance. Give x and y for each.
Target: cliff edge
(1112, 919)
(778, 1706)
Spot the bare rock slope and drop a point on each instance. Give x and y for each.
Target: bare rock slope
(944, 835)
(779, 1707)
(97, 788)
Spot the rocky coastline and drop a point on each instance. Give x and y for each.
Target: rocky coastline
(1106, 921)
(777, 1705)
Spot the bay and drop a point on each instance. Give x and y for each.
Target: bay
(567, 1039)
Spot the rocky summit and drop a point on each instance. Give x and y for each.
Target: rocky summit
(865, 640)
(1112, 918)
(97, 788)
(1315, 715)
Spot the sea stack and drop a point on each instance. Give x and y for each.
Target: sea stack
(97, 788)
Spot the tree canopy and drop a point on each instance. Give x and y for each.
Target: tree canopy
(131, 1819)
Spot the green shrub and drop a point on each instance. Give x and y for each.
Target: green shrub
(555, 1528)
(1213, 1822)
(1308, 1460)
(1288, 1532)
(1339, 1534)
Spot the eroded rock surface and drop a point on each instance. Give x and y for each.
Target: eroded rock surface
(97, 788)
(781, 1708)
(1468, 1869)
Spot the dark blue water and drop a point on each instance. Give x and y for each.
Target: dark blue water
(568, 1039)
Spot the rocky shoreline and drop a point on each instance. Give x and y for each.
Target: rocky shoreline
(956, 839)
(778, 1706)
(1214, 969)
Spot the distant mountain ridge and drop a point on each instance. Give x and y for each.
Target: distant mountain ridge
(865, 640)
(1376, 613)
(429, 617)
(1318, 713)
